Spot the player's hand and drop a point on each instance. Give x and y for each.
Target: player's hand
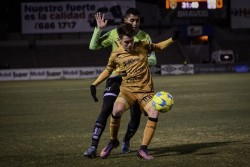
(93, 92)
(176, 35)
(100, 21)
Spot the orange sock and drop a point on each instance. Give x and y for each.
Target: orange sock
(149, 131)
(114, 126)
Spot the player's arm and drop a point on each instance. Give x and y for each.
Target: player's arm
(103, 76)
(151, 56)
(105, 73)
(164, 44)
(98, 42)
(94, 42)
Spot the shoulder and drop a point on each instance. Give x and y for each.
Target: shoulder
(117, 52)
(141, 32)
(143, 36)
(114, 31)
(144, 45)
(111, 32)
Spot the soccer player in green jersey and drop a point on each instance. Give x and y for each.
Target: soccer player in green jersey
(113, 82)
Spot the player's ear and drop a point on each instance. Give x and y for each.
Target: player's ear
(125, 20)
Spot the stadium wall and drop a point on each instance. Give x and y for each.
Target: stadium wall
(93, 72)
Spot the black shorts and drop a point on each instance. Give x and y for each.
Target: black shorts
(112, 86)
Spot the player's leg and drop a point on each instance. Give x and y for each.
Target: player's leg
(149, 129)
(135, 118)
(119, 108)
(110, 95)
(100, 125)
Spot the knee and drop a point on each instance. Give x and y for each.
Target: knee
(153, 113)
(118, 109)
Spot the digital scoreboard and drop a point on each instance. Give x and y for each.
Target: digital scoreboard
(194, 4)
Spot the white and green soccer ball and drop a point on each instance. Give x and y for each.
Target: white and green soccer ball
(163, 101)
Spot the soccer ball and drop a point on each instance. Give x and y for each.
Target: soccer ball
(163, 101)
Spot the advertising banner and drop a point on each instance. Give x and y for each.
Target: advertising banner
(38, 74)
(54, 73)
(90, 72)
(71, 16)
(6, 75)
(23, 74)
(70, 73)
(177, 69)
(240, 14)
(51, 73)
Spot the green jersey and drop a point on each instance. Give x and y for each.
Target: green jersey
(110, 39)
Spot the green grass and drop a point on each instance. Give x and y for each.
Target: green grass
(49, 123)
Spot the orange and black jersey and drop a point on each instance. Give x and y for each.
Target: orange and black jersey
(134, 65)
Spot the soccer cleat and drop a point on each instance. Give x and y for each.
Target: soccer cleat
(91, 152)
(144, 154)
(125, 147)
(107, 150)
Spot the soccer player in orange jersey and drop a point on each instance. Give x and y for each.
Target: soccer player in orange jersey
(112, 88)
(136, 87)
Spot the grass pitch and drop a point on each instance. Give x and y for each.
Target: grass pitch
(49, 123)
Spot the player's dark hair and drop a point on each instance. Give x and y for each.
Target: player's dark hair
(126, 29)
(132, 11)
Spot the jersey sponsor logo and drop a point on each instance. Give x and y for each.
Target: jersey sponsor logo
(129, 62)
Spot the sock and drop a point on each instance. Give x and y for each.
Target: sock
(97, 132)
(144, 147)
(114, 126)
(149, 131)
(129, 134)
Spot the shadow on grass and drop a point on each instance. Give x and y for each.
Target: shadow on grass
(176, 149)
(187, 148)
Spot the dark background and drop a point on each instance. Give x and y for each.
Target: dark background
(24, 51)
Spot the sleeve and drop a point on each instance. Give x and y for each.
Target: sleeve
(102, 77)
(94, 42)
(105, 73)
(160, 46)
(98, 42)
(111, 63)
